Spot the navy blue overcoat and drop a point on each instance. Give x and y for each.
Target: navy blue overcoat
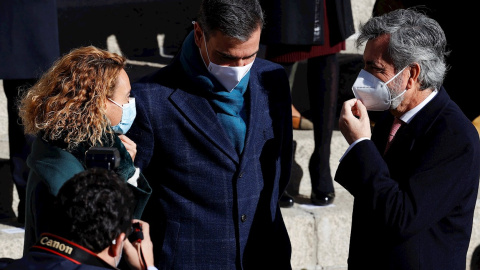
(212, 208)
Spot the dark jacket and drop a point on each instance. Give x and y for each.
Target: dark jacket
(50, 167)
(210, 207)
(42, 261)
(28, 38)
(414, 207)
(293, 21)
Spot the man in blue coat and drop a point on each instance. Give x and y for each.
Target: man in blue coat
(415, 181)
(214, 135)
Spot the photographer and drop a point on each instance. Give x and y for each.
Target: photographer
(95, 210)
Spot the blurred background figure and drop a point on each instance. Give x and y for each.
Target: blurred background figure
(314, 31)
(28, 46)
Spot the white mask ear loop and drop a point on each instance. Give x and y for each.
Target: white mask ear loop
(115, 103)
(392, 99)
(206, 48)
(205, 42)
(395, 75)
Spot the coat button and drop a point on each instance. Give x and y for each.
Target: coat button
(240, 175)
(244, 218)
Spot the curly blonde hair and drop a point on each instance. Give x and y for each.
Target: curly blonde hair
(68, 102)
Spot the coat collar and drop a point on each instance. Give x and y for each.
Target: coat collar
(45, 158)
(253, 106)
(198, 111)
(419, 125)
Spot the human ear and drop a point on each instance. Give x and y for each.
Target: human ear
(198, 34)
(413, 75)
(117, 245)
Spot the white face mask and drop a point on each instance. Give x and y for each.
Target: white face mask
(374, 93)
(229, 77)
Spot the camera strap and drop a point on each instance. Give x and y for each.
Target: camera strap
(136, 237)
(57, 245)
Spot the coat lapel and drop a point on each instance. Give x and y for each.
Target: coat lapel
(381, 131)
(201, 115)
(420, 124)
(255, 104)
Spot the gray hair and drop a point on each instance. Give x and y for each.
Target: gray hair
(234, 18)
(414, 38)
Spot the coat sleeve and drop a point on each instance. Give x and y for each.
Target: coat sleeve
(443, 181)
(142, 194)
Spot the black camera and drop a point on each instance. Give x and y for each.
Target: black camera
(103, 157)
(137, 233)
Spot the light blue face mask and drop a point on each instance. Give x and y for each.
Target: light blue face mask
(129, 112)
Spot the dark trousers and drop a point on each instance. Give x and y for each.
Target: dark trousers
(19, 143)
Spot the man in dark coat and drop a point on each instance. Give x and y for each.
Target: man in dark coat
(28, 47)
(94, 211)
(415, 182)
(214, 136)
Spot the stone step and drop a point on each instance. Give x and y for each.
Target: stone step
(319, 235)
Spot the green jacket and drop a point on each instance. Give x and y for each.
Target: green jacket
(50, 168)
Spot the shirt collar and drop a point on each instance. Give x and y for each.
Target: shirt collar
(408, 116)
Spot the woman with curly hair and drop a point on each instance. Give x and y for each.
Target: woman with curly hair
(82, 101)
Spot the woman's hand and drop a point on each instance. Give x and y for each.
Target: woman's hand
(129, 145)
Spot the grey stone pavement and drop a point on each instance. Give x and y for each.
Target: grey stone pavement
(319, 235)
